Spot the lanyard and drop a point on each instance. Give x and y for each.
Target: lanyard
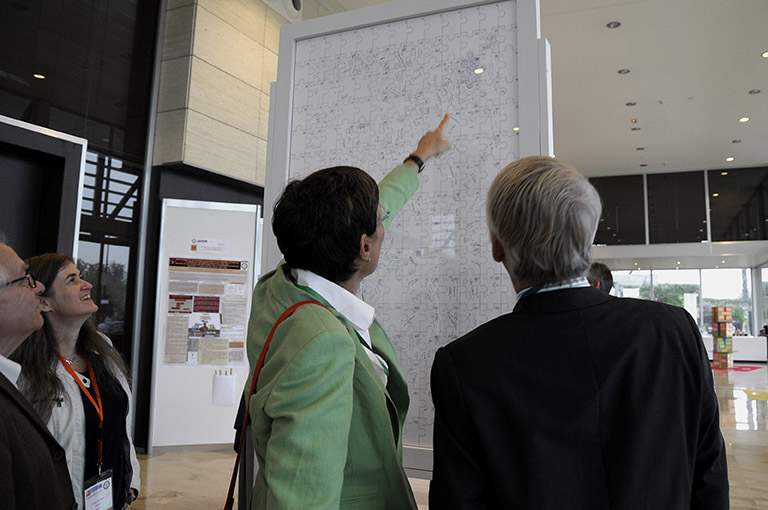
(96, 404)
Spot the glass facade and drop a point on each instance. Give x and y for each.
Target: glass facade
(623, 217)
(697, 290)
(739, 204)
(764, 312)
(631, 283)
(738, 207)
(85, 68)
(677, 211)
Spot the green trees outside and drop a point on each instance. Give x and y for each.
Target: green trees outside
(672, 293)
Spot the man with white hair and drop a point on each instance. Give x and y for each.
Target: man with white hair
(576, 399)
(33, 466)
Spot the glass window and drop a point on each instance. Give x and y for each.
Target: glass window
(764, 281)
(738, 200)
(634, 284)
(728, 287)
(679, 287)
(676, 208)
(623, 218)
(107, 233)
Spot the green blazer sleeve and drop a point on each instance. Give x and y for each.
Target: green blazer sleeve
(396, 188)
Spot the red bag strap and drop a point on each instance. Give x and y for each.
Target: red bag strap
(228, 505)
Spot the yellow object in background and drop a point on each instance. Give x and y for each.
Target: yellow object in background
(757, 394)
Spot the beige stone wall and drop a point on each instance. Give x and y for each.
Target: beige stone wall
(219, 58)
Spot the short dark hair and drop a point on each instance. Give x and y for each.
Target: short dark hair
(601, 272)
(318, 220)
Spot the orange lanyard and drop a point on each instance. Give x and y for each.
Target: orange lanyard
(96, 404)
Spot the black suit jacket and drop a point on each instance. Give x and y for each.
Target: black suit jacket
(33, 466)
(578, 400)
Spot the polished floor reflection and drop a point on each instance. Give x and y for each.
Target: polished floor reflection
(193, 480)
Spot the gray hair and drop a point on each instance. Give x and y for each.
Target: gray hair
(545, 215)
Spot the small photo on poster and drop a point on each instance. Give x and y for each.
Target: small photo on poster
(205, 325)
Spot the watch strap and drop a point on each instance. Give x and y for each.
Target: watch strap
(419, 162)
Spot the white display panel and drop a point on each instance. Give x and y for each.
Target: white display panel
(206, 268)
(360, 89)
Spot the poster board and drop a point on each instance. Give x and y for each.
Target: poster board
(359, 88)
(205, 280)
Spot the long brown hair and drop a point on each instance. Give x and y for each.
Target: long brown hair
(37, 355)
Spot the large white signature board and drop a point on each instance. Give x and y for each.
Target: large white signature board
(359, 89)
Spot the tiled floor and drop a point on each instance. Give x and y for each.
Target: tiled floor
(195, 480)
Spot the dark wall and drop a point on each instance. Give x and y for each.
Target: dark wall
(30, 183)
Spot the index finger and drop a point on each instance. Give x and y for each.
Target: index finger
(443, 122)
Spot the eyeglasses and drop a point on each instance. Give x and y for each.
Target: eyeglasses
(385, 214)
(30, 281)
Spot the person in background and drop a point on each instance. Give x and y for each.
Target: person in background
(328, 412)
(575, 399)
(78, 383)
(600, 277)
(33, 466)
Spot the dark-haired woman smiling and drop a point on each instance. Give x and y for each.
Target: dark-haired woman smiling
(328, 411)
(77, 382)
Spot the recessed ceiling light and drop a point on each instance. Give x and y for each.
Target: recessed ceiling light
(736, 141)
(754, 91)
(678, 262)
(729, 159)
(715, 194)
(479, 70)
(744, 119)
(623, 71)
(635, 129)
(635, 263)
(631, 103)
(39, 76)
(613, 24)
(765, 54)
(722, 262)
(515, 129)
(723, 173)
(703, 221)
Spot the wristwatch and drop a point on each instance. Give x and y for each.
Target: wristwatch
(419, 162)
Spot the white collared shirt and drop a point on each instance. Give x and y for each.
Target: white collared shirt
(567, 284)
(359, 313)
(10, 369)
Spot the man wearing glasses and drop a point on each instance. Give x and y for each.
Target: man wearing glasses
(33, 467)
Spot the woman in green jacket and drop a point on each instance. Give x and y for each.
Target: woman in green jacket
(328, 411)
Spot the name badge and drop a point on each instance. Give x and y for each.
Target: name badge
(98, 492)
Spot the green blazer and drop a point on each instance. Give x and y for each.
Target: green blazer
(327, 432)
